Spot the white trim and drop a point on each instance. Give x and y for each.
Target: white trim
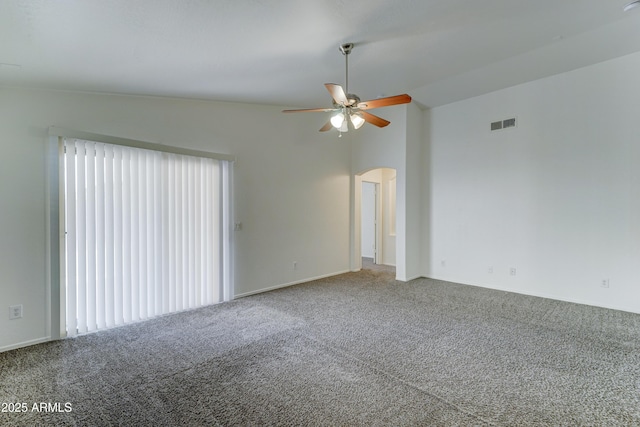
(411, 278)
(297, 282)
(25, 344)
(231, 267)
(69, 133)
(53, 238)
(540, 295)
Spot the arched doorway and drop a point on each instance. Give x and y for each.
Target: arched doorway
(377, 219)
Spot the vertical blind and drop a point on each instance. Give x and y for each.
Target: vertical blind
(147, 233)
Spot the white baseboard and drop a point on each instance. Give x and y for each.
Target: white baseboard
(24, 344)
(284, 285)
(408, 279)
(540, 295)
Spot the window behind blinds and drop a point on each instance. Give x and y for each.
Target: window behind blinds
(147, 233)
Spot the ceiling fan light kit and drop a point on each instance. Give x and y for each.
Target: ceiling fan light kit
(356, 120)
(337, 120)
(348, 110)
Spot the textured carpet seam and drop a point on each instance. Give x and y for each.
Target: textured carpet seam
(398, 379)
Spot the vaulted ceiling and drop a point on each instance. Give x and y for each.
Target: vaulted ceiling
(281, 52)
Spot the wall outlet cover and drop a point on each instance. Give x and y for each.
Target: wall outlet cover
(15, 312)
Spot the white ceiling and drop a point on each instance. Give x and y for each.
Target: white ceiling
(282, 51)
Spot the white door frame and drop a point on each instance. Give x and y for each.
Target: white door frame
(377, 220)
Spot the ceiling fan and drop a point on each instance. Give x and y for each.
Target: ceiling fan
(348, 110)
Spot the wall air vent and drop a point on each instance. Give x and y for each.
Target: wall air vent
(503, 124)
(509, 123)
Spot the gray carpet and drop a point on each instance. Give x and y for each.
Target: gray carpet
(368, 264)
(354, 350)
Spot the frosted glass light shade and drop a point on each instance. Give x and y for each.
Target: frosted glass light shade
(356, 120)
(337, 120)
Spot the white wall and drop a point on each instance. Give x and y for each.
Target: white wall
(397, 146)
(388, 188)
(413, 193)
(292, 187)
(374, 148)
(368, 220)
(557, 198)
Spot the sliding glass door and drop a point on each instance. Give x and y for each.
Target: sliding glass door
(146, 233)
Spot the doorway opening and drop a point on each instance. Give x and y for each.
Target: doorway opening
(378, 219)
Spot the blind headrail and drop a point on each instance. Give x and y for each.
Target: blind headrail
(87, 136)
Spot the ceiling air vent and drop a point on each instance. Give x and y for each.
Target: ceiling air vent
(503, 124)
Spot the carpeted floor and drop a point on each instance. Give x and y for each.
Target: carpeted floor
(368, 264)
(359, 349)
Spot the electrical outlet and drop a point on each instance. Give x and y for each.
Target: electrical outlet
(443, 263)
(15, 312)
(490, 270)
(513, 271)
(604, 283)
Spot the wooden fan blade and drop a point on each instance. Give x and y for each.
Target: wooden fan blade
(374, 120)
(327, 126)
(384, 102)
(337, 93)
(310, 110)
